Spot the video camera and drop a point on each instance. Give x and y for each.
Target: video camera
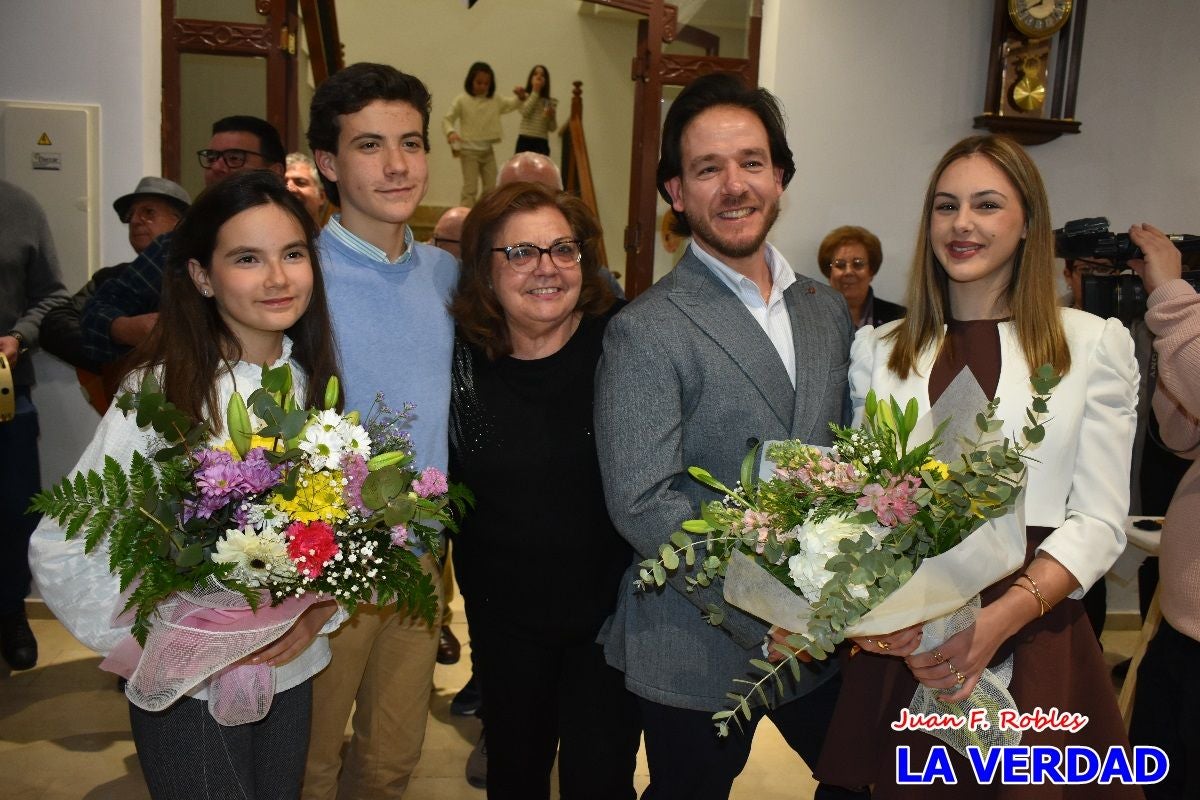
(1123, 295)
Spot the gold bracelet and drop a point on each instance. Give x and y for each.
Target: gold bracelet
(1032, 588)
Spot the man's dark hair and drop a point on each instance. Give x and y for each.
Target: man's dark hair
(269, 143)
(352, 89)
(479, 66)
(709, 91)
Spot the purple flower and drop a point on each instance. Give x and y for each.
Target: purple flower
(354, 468)
(399, 535)
(219, 481)
(257, 473)
(432, 482)
(211, 457)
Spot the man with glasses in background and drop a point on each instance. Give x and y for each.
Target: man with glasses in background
(447, 233)
(123, 311)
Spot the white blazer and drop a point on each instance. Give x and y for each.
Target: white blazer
(1079, 485)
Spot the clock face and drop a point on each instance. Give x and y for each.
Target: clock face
(1038, 19)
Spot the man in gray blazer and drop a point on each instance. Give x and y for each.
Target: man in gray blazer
(729, 348)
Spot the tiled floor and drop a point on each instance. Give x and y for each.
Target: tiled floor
(64, 732)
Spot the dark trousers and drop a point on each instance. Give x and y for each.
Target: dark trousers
(1166, 709)
(532, 144)
(187, 755)
(19, 482)
(688, 761)
(545, 697)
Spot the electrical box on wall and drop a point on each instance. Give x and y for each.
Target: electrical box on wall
(52, 151)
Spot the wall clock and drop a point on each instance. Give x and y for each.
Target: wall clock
(1033, 69)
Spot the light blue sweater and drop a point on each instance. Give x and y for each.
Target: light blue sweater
(395, 335)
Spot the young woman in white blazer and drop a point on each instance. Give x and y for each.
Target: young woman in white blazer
(982, 296)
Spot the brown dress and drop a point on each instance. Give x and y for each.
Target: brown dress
(1057, 663)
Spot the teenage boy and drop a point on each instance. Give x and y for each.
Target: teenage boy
(369, 134)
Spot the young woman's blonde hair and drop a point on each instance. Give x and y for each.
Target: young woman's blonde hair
(1031, 295)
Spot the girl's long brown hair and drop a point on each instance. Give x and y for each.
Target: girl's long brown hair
(1031, 295)
(190, 343)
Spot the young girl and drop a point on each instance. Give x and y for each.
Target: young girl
(477, 114)
(242, 288)
(981, 296)
(537, 113)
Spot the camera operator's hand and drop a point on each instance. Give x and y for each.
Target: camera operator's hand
(1161, 262)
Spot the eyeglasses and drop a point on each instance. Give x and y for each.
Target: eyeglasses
(438, 240)
(841, 263)
(523, 257)
(234, 157)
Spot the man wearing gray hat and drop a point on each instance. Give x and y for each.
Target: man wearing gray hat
(153, 208)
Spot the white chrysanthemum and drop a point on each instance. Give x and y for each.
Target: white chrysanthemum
(324, 440)
(258, 558)
(818, 543)
(358, 440)
(266, 518)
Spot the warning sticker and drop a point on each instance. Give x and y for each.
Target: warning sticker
(44, 140)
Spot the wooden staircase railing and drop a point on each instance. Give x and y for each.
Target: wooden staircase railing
(577, 169)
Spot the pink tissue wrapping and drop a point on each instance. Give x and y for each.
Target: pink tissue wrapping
(203, 634)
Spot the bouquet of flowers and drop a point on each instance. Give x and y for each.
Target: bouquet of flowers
(829, 541)
(219, 549)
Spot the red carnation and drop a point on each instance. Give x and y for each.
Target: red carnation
(311, 545)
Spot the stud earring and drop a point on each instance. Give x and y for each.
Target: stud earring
(205, 292)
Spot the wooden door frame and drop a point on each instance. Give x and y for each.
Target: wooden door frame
(652, 70)
(275, 40)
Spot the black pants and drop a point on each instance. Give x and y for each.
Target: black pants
(1166, 709)
(19, 482)
(187, 755)
(688, 761)
(544, 697)
(533, 144)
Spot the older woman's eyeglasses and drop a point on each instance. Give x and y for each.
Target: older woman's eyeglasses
(841, 263)
(524, 256)
(234, 157)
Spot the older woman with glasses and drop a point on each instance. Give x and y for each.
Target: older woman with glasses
(849, 258)
(538, 560)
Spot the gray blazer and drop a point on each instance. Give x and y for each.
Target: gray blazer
(688, 378)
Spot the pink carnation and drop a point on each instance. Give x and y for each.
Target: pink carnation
(311, 545)
(432, 482)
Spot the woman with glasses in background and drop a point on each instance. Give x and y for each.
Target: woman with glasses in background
(849, 258)
(538, 560)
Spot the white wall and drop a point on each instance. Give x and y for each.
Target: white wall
(876, 92)
(106, 53)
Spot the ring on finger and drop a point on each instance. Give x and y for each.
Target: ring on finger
(938, 658)
(884, 646)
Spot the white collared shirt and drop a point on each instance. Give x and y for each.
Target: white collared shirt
(771, 316)
(365, 248)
